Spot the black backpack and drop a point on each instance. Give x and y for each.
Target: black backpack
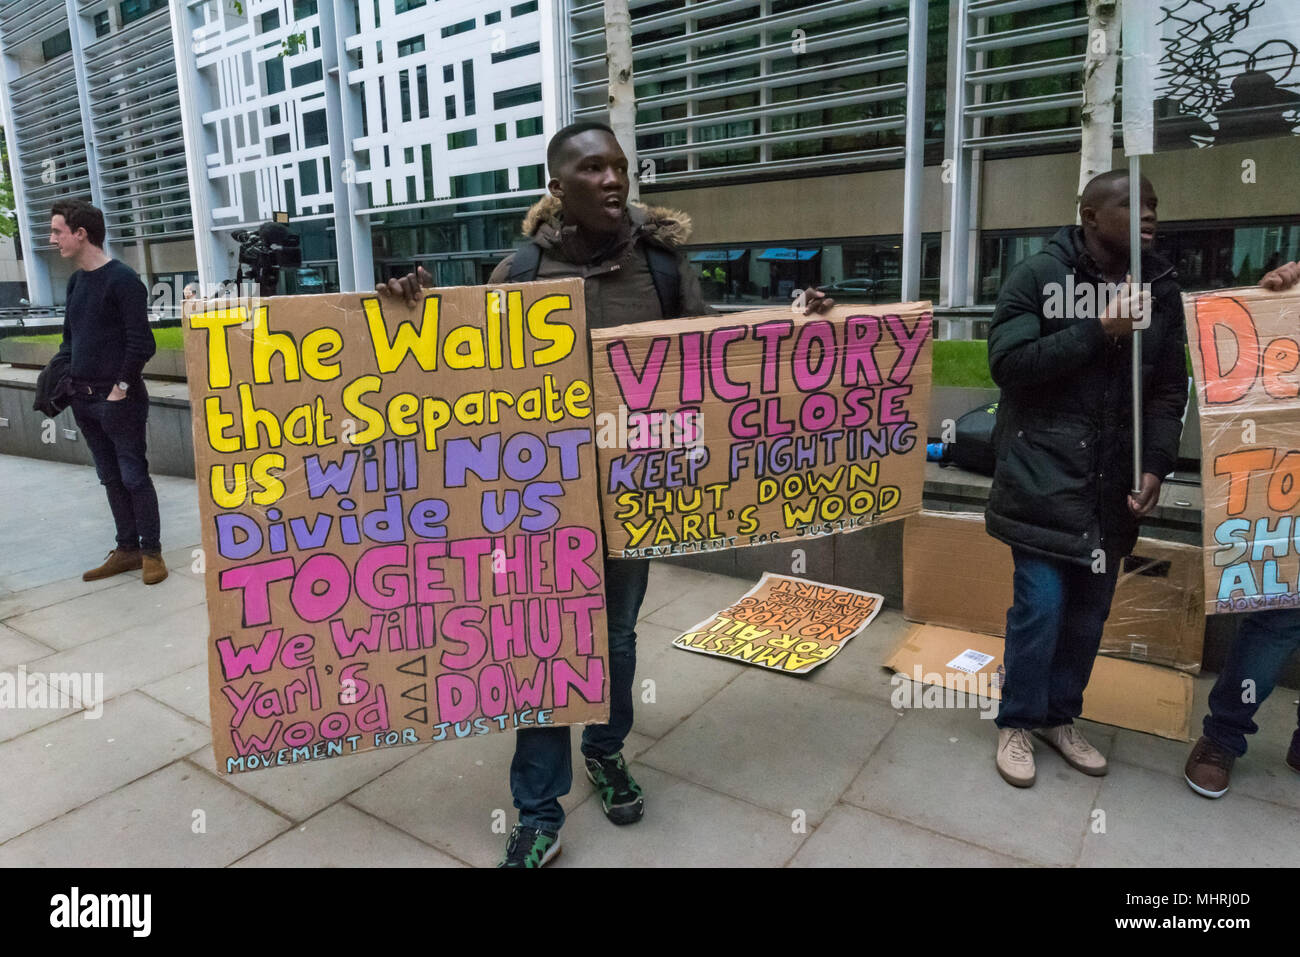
(663, 272)
(973, 448)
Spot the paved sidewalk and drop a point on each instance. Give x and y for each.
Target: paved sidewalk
(741, 766)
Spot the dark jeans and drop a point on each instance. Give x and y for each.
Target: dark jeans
(1053, 632)
(542, 770)
(1265, 640)
(115, 432)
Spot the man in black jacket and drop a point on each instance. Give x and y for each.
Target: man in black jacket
(107, 341)
(1060, 348)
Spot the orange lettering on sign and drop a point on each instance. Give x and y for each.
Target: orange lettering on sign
(1226, 385)
(1238, 466)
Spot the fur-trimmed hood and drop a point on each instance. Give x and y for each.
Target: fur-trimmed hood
(668, 227)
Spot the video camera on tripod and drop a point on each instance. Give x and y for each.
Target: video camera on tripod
(265, 251)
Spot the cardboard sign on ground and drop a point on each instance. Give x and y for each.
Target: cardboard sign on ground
(956, 574)
(1126, 694)
(399, 519)
(784, 623)
(761, 426)
(1245, 348)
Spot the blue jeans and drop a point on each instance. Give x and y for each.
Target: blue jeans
(115, 434)
(542, 770)
(1265, 640)
(1053, 631)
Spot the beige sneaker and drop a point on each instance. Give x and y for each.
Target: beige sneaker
(1015, 757)
(1078, 753)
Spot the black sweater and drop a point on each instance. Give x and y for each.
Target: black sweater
(106, 325)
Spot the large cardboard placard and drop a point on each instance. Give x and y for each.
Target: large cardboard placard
(1245, 348)
(760, 427)
(399, 519)
(956, 574)
(1126, 694)
(784, 623)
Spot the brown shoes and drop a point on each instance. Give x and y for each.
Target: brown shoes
(1078, 753)
(155, 569)
(118, 561)
(1208, 767)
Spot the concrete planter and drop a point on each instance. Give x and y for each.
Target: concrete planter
(165, 364)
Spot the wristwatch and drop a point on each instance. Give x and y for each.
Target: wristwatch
(124, 386)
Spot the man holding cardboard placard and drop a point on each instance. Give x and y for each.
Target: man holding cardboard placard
(1060, 349)
(629, 259)
(1264, 642)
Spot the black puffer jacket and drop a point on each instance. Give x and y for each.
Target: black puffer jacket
(1064, 434)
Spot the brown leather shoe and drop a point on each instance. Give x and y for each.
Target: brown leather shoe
(1208, 767)
(155, 569)
(118, 561)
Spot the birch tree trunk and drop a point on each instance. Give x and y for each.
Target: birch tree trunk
(622, 96)
(1099, 68)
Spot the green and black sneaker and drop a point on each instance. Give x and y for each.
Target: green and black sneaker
(530, 847)
(620, 796)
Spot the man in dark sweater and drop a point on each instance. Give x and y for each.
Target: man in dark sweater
(1060, 349)
(107, 340)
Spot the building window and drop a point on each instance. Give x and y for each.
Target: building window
(519, 9)
(303, 9)
(307, 73)
(422, 91)
(408, 155)
(450, 104)
(480, 184)
(515, 53)
(269, 21)
(461, 139)
(517, 96)
(279, 144)
(314, 132)
(274, 75)
(501, 132)
(467, 77)
(404, 93)
(529, 127)
(383, 112)
(491, 18)
(103, 24)
(403, 6)
(308, 178)
(272, 115)
(463, 27)
(532, 177)
(132, 10)
(410, 45)
(56, 45)
(449, 74)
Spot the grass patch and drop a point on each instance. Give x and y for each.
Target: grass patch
(962, 364)
(170, 337)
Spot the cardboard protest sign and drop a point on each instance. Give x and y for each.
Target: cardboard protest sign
(760, 427)
(1245, 348)
(784, 623)
(399, 519)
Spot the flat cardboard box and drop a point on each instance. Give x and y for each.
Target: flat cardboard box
(1125, 694)
(956, 574)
